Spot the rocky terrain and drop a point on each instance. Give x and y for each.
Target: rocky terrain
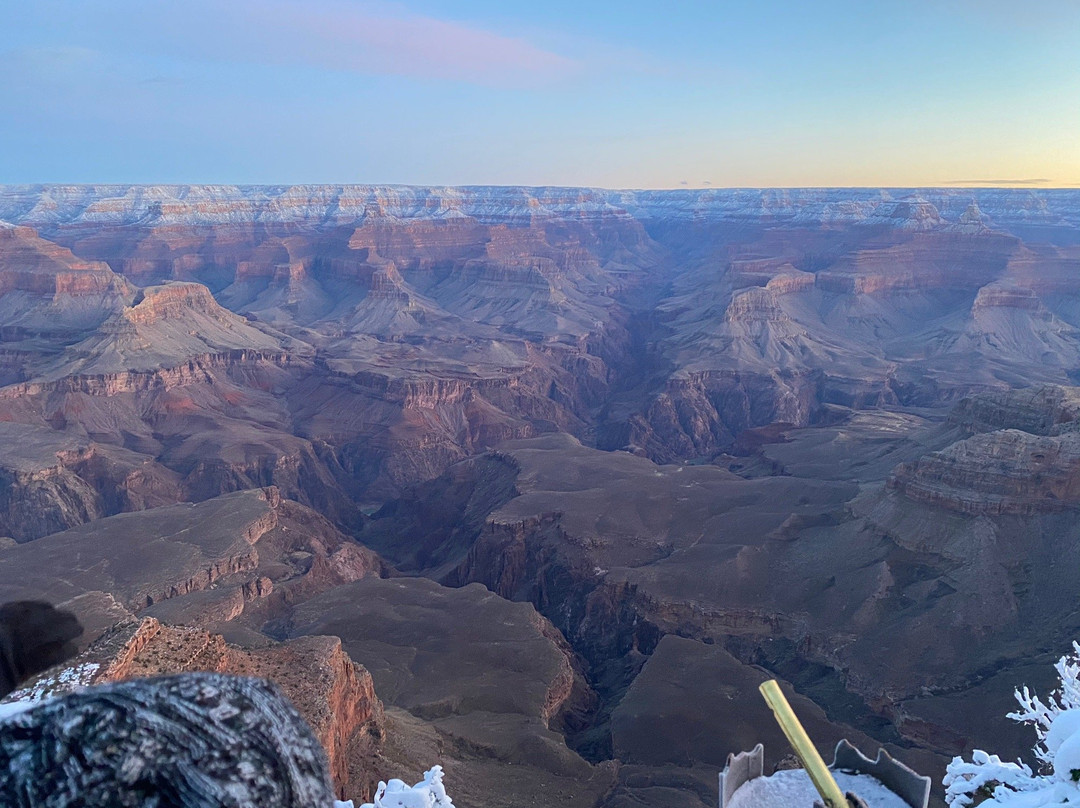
(251, 584)
(334, 694)
(566, 470)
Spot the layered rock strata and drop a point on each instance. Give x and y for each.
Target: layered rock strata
(194, 563)
(1003, 472)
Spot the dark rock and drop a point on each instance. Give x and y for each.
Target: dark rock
(192, 741)
(33, 636)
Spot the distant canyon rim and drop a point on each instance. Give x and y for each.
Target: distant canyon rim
(565, 472)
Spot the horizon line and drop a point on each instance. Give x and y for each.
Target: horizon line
(948, 185)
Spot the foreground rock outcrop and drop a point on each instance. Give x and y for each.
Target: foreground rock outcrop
(334, 695)
(199, 741)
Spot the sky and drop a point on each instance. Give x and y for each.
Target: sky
(627, 94)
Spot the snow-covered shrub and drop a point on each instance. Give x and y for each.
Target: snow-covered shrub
(989, 781)
(429, 793)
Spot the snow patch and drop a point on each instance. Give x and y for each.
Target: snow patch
(1065, 724)
(9, 709)
(1067, 759)
(792, 788)
(67, 680)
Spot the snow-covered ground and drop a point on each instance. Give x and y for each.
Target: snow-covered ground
(793, 789)
(12, 708)
(43, 689)
(65, 681)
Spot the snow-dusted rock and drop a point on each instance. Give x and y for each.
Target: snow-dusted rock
(191, 741)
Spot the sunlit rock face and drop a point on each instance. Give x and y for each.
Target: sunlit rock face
(363, 338)
(334, 696)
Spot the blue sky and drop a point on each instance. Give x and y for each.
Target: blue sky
(615, 94)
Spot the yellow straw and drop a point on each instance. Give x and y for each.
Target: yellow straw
(819, 773)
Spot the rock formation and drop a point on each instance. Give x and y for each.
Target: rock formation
(194, 563)
(334, 695)
(494, 680)
(1004, 472)
(198, 741)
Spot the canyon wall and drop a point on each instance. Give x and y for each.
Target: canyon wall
(669, 433)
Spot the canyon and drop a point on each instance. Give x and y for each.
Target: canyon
(563, 473)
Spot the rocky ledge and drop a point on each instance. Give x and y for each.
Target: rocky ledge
(1045, 410)
(1002, 472)
(335, 695)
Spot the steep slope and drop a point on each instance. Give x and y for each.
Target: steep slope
(621, 553)
(195, 563)
(476, 682)
(50, 481)
(166, 326)
(492, 679)
(45, 288)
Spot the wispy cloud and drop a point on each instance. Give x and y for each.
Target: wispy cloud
(419, 45)
(998, 182)
(361, 37)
